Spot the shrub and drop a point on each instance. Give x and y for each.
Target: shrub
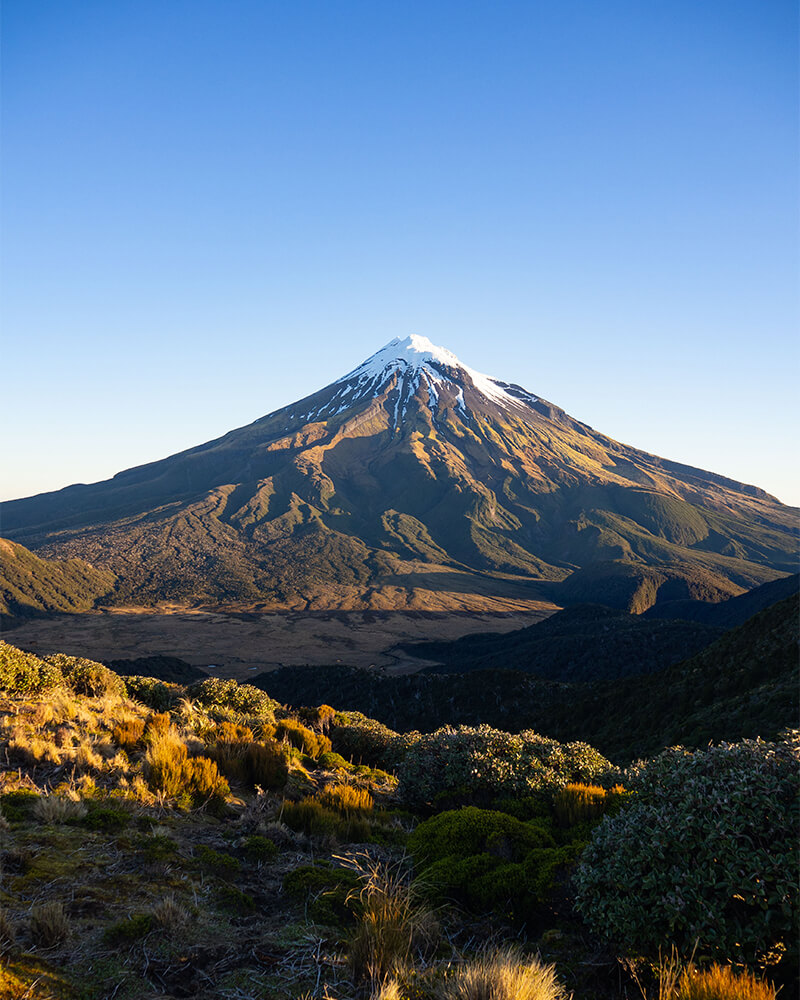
(214, 692)
(232, 898)
(326, 891)
(362, 739)
(24, 673)
(302, 738)
(106, 818)
(503, 975)
(158, 724)
(331, 761)
(721, 982)
(465, 765)
(256, 848)
(488, 860)
(49, 924)
(216, 861)
(17, 806)
(130, 929)
(704, 852)
(256, 764)
(87, 677)
(152, 692)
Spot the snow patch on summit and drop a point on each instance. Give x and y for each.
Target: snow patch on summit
(416, 357)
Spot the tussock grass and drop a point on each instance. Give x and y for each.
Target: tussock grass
(504, 975)
(721, 982)
(51, 809)
(394, 927)
(49, 924)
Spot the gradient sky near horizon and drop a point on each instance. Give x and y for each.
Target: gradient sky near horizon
(212, 208)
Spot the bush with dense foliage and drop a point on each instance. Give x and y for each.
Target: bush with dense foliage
(462, 765)
(23, 673)
(705, 852)
(486, 859)
(243, 699)
(87, 677)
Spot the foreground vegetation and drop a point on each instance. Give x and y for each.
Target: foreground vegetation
(161, 840)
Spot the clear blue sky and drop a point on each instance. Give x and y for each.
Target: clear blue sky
(214, 207)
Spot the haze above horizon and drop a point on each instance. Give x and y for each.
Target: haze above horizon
(211, 210)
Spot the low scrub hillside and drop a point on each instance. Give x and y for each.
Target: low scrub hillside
(203, 840)
(30, 585)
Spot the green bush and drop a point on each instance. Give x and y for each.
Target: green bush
(87, 677)
(704, 852)
(216, 861)
(244, 699)
(154, 693)
(24, 673)
(486, 859)
(361, 739)
(128, 930)
(258, 848)
(17, 806)
(106, 818)
(330, 894)
(464, 765)
(330, 761)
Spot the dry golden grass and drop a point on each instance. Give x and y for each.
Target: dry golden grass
(721, 982)
(503, 975)
(576, 803)
(346, 798)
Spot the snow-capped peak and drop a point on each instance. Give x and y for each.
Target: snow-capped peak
(417, 354)
(415, 361)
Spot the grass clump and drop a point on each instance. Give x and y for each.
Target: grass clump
(394, 926)
(721, 982)
(170, 770)
(503, 975)
(49, 924)
(53, 809)
(170, 915)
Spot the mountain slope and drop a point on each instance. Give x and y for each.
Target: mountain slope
(584, 643)
(30, 585)
(415, 481)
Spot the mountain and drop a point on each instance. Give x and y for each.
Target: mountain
(415, 482)
(30, 586)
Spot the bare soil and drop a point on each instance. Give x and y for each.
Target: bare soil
(240, 644)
